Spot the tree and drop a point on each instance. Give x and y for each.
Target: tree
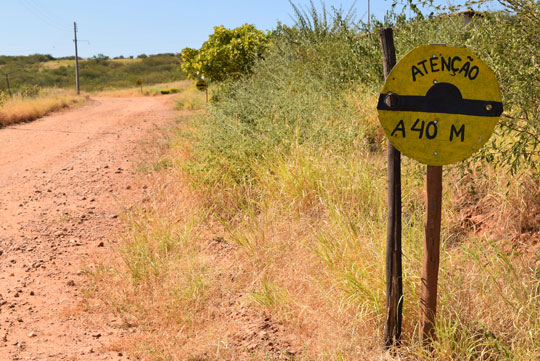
(228, 53)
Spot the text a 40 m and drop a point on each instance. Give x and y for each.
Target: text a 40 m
(428, 130)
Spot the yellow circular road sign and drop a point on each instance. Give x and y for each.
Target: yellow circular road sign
(202, 85)
(439, 104)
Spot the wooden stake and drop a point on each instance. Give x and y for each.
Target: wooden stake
(8, 87)
(432, 241)
(394, 282)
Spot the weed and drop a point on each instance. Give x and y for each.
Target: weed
(20, 109)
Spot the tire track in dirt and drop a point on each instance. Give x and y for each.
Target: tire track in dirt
(63, 181)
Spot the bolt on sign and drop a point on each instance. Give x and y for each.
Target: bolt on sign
(440, 104)
(202, 85)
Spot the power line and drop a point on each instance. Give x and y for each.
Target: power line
(76, 58)
(47, 15)
(41, 16)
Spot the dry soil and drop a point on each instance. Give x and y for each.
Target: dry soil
(63, 181)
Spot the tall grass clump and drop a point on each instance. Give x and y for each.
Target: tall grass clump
(24, 109)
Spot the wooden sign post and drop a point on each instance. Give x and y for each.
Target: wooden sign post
(394, 283)
(202, 85)
(432, 241)
(439, 105)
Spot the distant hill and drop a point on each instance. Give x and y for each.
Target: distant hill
(96, 73)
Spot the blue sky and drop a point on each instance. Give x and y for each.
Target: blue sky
(120, 27)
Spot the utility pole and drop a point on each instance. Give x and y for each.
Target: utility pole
(7, 82)
(76, 59)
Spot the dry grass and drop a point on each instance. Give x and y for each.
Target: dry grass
(127, 92)
(187, 97)
(190, 98)
(126, 60)
(55, 64)
(19, 109)
(147, 90)
(497, 205)
(299, 273)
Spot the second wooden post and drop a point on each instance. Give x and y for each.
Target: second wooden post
(430, 261)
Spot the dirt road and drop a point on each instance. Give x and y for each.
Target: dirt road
(62, 182)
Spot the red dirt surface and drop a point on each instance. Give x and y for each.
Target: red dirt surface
(63, 181)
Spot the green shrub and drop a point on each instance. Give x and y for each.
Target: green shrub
(30, 91)
(296, 97)
(165, 91)
(228, 53)
(174, 90)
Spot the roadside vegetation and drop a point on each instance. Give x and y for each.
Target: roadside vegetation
(135, 90)
(228, 53)
(23, 108)
(264, 238)
(38, 84)
(186, 95)
(97, 73)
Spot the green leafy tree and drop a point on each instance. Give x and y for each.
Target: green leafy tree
(228, 53)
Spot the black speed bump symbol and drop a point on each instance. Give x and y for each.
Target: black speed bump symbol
(202, 85)
(440, 98)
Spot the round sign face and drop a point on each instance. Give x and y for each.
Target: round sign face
(202, 85)
(439, 104)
